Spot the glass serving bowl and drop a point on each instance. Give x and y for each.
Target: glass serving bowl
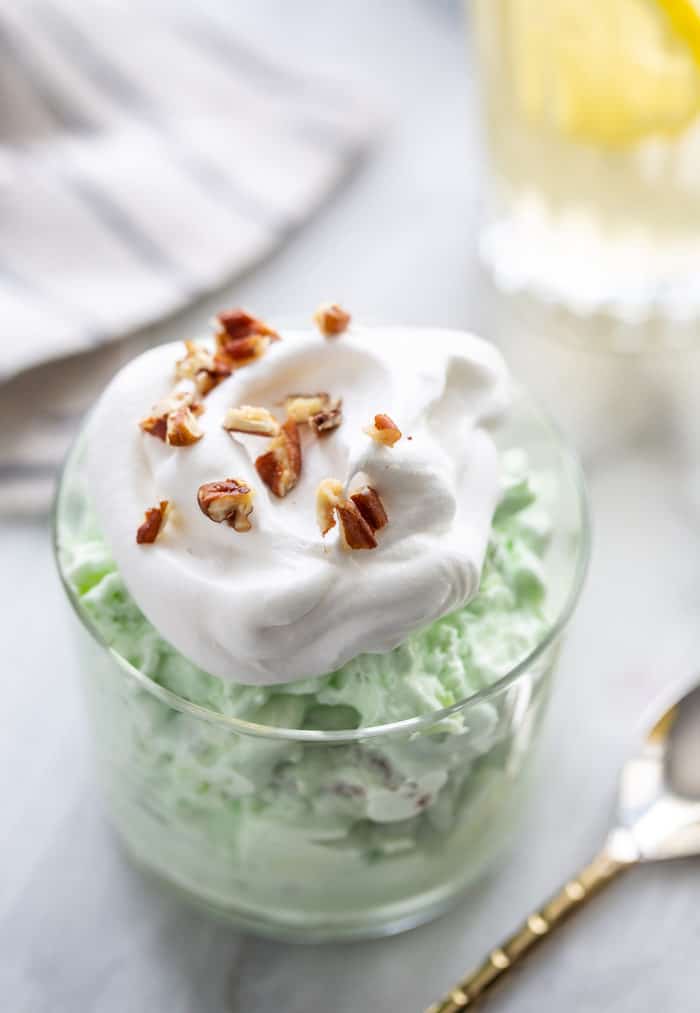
(317, 835)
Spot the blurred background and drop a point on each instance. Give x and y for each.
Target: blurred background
(528, 169)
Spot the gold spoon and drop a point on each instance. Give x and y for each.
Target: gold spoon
(658, 818)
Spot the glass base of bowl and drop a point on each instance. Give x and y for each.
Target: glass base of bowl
(299, 915)
(389, 921)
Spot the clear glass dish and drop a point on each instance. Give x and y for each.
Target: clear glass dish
(317, 835)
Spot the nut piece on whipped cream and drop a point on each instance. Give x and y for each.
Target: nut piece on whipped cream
(154, 518)
(182, 428)
(301, 407)
(202, 367)
(331, 319)
(328, 496)
(280, 467)
(371, 507)
(320, 411)
(173, 420)
(384, 430)
(243, 351)
(241, 338)
(327, 420)
(251, 419)
(238, 323)
(229, 500)
(355, 532)
(360, 515)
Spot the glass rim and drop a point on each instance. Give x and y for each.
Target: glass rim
(570, 464)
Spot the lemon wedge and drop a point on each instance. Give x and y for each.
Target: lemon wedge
(606, 72)
(684, 16)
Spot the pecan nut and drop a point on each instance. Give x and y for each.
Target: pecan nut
(359, 516)
(235, 354)
(173, 420)
(369, 504)
(207, 379)
(301, 407)
(331, 319)
(153, 521)
(384, 430)
(327, 420)
(202, 367)
(155, 425)
(241, 338)
(182, 429)
(280, 467)
(229, 500)
(320, 411)
(328, 496)
(251, 419)
(238, 323)
(195, 359)
(355, 532)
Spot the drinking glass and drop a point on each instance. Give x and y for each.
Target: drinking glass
(592, 125)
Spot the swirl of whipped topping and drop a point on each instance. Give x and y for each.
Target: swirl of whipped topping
(279, 602)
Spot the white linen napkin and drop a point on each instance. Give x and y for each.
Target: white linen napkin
(147, 155)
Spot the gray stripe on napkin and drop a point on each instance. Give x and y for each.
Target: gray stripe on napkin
(108, 211)
(103, 74)
(64, 113)
(90, 333)
(105, 208)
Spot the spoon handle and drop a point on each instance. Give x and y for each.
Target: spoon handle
(573, 895)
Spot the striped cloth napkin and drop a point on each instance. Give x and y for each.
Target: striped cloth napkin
(148, 154)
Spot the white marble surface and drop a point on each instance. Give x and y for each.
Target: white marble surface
(79, 930)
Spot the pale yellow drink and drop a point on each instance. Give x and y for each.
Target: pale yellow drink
(592, 116)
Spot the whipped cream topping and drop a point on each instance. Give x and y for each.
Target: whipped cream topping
(279, 602)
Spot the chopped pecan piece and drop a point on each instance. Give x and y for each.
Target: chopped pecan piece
(195, 359)
(173, 420)
(229, 500)
(280, 467)
(182, 428)
(200, 366)
(238, 323)
(154, 519)
(241, 338)
(360, 515)
(354, 529)
(207, 379)
(155, 425)
(251, 419)
(384, 430)
(331, 319)
(320, 411)
(328, 496)
(234, 354)
(371, 507)
(301, 407)
(326, 421)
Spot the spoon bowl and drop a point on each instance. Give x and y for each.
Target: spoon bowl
(658, 818)
(682, 762)
(659, 801)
